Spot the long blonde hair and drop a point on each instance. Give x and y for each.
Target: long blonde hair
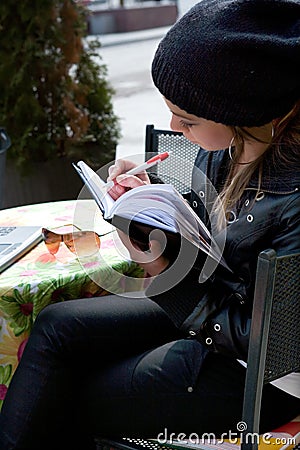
(284, 145)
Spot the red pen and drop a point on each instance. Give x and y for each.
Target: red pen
(151, 162)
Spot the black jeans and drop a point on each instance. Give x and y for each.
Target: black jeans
(113, 366)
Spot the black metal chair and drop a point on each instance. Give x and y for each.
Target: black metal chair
(274, 349)
(177, 169)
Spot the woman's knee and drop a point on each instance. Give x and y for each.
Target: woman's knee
(50, 314)
(54, 320)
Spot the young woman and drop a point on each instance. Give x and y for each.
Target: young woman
(170, 362)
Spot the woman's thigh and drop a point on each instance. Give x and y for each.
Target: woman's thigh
(103, 327)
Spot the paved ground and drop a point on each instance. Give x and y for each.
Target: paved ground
(137, 102)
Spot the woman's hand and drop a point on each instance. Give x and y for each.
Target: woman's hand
(123, 182)
(152, 261)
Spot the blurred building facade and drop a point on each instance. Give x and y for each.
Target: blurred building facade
(121, 16)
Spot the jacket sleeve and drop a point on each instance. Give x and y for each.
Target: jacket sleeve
(226, 326)
(214, 312)
(226, 329)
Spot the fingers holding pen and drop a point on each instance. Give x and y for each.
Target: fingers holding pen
(122, 166)
(123, 181)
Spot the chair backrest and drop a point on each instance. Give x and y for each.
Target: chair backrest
(177, 169)
(274, 348)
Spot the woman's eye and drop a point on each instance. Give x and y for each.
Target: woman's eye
(185, 125)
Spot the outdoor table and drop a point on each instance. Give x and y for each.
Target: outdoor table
(39, 278)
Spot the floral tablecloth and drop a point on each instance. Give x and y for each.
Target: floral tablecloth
(39, 278)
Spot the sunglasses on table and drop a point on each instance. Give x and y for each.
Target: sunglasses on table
(82, 243)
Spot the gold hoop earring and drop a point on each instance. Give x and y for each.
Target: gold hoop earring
(230, 149)
(230, 155)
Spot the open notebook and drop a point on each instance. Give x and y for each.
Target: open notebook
(151, 206)
(15, 241)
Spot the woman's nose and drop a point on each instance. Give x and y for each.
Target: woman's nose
(175, 124)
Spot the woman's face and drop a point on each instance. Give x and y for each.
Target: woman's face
(206, 133)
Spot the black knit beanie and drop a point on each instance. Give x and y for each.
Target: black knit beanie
(235, 62)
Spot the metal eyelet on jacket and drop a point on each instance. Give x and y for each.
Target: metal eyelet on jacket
(260, 196)
(201, 194)
(217, 327)
(194, 204)
(247, 202)
(208, 341)
(192, 333)
(250, 218)
(232, 217)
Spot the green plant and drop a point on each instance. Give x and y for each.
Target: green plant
(55, 100)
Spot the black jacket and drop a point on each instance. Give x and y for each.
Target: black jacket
(218, 312)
